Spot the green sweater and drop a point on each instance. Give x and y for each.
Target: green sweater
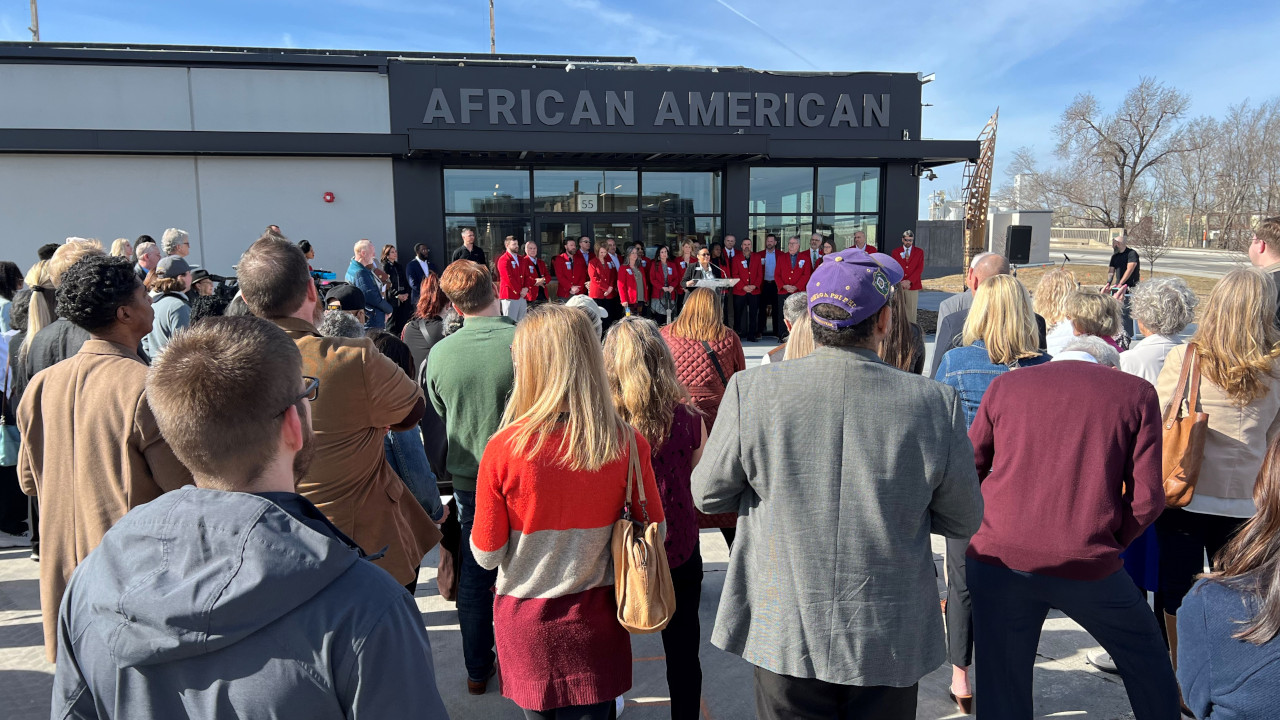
(469, 378)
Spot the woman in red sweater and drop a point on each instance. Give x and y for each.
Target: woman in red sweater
(706, 354)
(633, 281)
(603, 285)
(664, 281)
(551, 484)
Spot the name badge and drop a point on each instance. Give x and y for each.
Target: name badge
(513, 263)
(744, 263)
(801, 264)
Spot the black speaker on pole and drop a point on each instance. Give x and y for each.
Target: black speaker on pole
(1017, 244)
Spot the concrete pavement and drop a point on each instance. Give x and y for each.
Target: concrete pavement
(1184, 261)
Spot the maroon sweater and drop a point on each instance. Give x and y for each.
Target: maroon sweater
(1068, 454)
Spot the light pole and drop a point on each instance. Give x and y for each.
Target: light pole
(493, 44)
(35, 21)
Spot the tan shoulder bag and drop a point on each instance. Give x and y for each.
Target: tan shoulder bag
(642, 578)
(1184, 436)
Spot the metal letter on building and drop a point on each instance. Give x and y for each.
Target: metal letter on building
(668, 110)
(624, 110)
(806, 119)
(737, 108)
(543, 117)
(437, 108)
(465, 96)
(845, 112)
(526, 107)
(871, 107)
(767, 105)
(709, 115)
(789, 99)
(585, 109)
(500, 103)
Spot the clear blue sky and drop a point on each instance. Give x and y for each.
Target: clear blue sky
(1030, 57)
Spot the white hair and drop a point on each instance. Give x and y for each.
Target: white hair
(1165, 305)
(363, 243)
(145, 249)
(340, 323)
(795, 306)
(171, 239)
(1092, 346)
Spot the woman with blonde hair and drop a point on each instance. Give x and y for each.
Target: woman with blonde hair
(1051, 304)
(1093, 313)
(647, 394)
(706, 355)
(1236, 344)
(551, 483)
(1000, 335)
(800, 343)
(122, 248)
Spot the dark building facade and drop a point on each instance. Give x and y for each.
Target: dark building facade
(536, 147)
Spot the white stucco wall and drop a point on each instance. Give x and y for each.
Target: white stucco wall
(223, 202)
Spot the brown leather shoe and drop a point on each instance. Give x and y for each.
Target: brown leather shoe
(479, 687)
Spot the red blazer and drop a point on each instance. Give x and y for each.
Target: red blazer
(785, 274)
(534, 269)
(751, 274)
(567, 276)
(672, 279)
(627, 282)
(603, 280)
(512, 277)
(911, 267)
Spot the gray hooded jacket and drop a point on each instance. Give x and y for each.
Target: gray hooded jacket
(207, 604)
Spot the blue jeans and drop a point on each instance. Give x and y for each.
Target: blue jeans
(1009, 610)
(408, 458)
(475, 596)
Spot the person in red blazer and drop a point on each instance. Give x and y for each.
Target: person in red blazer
(536, 275)
(604, 285)
(633, 282)
(664, 279)
(748, 269)
(911, 258)
(792, 271)
(571, 271)
(512, 278)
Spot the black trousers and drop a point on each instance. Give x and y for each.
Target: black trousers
(959, 615)
(13, 503)
(1009, 610)
(614, 308)
(1185, 538)
(681, 640)
(780, 697)
(599, 711)
(769, 301)
(746, 311)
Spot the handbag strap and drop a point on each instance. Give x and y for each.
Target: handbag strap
(715, 361)
(634, 481)
(1190, 361)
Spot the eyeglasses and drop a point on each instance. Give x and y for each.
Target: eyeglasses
(310, 392)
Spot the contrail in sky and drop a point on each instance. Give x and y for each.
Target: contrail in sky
(768, 34)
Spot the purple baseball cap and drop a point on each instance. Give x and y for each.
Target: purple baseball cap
(854, 281)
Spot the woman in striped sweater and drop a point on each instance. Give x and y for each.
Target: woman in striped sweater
(550, 486)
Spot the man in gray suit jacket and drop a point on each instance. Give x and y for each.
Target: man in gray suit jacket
(839, 467)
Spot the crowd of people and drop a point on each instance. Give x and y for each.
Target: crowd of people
(230, 504)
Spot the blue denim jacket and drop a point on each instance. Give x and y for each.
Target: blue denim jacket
(376, 307)
(408, 457)
(970, 371)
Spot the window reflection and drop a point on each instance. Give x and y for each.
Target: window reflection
(490, 232)
(848, 190)
(681, 193)
(842, 228)
(586, 190)
(485, 191)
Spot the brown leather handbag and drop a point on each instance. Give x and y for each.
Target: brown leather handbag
(1184, 436)
(642, 578)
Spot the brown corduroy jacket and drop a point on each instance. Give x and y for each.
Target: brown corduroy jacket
(362, 394)
(91, 451)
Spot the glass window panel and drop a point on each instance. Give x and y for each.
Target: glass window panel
(483, 191)
(782, 226)
(586, 190)
(681, 193)
(842, 228)
(848, 190)
(490, 231)
(673, 231)
(785, 192)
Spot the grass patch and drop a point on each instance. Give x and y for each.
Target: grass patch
(1089, 276)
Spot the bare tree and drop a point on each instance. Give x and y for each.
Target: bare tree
(1117, 150)
(1149, 240)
